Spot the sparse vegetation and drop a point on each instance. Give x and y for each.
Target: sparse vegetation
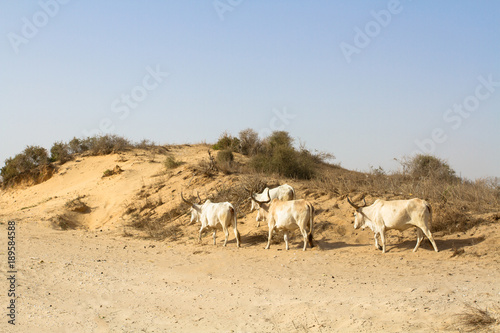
(474, 319)
(171, 163)
(116, 170)
(250, 144)
(280, 157)
(457, 203)
(77, 205)
(227, 142)
(60, 152)
(65, 221)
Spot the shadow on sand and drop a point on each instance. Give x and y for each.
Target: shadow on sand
(453, 244)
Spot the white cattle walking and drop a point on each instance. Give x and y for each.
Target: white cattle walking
(211, 214)
(283, 192)
(383, 215)
(288, 216)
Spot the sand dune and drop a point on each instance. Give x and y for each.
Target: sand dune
(105, 276)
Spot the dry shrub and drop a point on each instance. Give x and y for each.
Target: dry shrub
(77, 205)
(116, 171)
(225, 162)
(159, 228)
(171, 163)
(474, 319)
(451, 219)
(236, 195)
(208, 168)
(249, 142)
(66, 221)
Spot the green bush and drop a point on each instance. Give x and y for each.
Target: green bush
(77, 146)
(60, 152)
(225, 156)
(226, 141)
(279, 156)
(31, 158)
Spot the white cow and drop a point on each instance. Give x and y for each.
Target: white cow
(283, 192)
(383, 215)
(288, 216)
(211, 214)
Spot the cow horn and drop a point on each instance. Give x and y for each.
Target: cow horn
(188, 202)
(351, 203)
(354, 205)
(199, 199)
(260, 202)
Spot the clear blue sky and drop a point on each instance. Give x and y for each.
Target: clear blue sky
(367, 81)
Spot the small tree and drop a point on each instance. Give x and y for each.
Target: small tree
(59, 152)
(428, 166)
(249, 142)
(226, 141)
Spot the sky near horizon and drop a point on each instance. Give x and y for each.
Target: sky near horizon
(367, 81)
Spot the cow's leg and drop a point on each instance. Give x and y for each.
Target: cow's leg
(201, 231)
(226, 233)
(258, 218)
(304, 234)
(271, 229)
(429, 235)
(285, 236)
(382, 239)
(377, 246)
(238, 237)
(420, 236)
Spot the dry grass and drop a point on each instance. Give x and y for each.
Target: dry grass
(77, 205)
(65, 221)
(166, 226)
(474, 319)
(171, 163)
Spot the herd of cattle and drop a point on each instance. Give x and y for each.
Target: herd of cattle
(286, 213)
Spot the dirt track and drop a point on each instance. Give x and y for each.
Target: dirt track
(82, 281)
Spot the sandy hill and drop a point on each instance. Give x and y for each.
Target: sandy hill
(131, 281)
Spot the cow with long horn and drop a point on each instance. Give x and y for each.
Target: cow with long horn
(210, 215)
(383, 215)
(283, 192)
(288, 216)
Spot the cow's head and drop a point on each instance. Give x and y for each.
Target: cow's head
(195, 209)
(261, 204)
(359, 217)
(255, 204)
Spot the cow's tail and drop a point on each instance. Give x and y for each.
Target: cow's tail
(429, 208)
(293, 194)
(311, 220)
(235, 222)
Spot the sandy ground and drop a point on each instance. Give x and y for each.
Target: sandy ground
(95, 279)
